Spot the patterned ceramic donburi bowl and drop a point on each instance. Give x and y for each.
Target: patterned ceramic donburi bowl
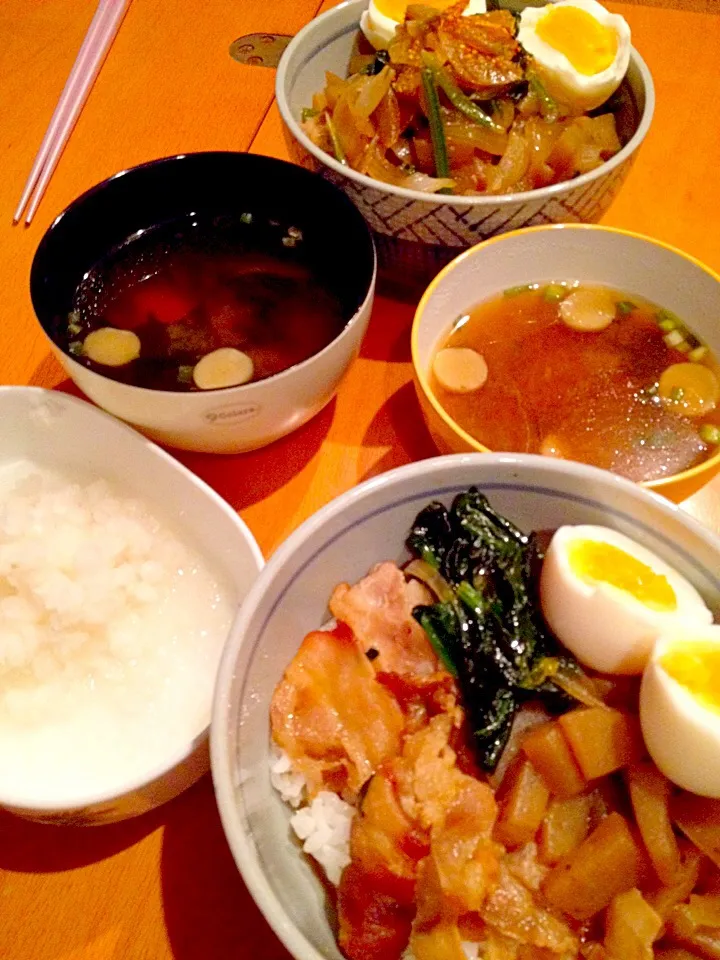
(417, 234)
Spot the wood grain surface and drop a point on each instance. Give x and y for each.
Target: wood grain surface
(165, 886)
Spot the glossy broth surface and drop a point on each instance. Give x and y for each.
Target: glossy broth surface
(192, 287)
(587, 396)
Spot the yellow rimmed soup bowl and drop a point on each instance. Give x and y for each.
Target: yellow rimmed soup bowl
(624, 261)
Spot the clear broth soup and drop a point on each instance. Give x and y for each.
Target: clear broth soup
(186, 289)
(638, 397)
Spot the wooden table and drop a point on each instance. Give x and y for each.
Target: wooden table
(165, 885)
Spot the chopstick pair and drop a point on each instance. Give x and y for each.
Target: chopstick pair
(98, 39)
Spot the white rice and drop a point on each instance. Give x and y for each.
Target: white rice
(111, 629)
(323, 824)
(324, 827)
(290, 785)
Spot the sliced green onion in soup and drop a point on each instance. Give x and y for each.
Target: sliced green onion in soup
(516, 291)
(554, 292)
(698, 353)
(710, 433)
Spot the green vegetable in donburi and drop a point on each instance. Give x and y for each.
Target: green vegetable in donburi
(486, 625)
(441, 78)
(549, 108)
(437, 131)
(335, 139)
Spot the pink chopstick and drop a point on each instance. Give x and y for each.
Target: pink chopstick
(101, 33)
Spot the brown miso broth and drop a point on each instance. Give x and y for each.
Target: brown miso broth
(608, 397)
(181, 291)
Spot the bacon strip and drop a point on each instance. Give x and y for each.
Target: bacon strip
(332, 717)
(378, 610)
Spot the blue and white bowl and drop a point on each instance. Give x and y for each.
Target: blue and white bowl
(341, 542)
(417, 234)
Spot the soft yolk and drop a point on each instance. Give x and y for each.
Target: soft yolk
(696, 666)
(597, 562)
(395, 9)
(588, 45)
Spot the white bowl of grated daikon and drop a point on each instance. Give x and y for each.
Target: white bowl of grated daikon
(120, 577)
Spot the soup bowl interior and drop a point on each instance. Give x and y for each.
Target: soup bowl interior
(335, 244)
(341, 543)
(416, 233)
(629, 263)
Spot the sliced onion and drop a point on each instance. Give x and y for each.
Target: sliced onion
(371, 92)
(433, 580)
(426, 184)
(473, 135)
(578, 686)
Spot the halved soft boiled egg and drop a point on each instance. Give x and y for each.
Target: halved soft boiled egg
(680, 707)
(382, 17)
(607, 598)
(580, 50)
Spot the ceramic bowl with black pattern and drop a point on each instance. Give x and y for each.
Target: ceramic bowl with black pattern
(416, 234)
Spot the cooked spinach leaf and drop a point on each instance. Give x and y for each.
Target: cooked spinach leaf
(489, 631)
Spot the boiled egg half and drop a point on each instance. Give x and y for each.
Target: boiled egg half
(580, 50)
(680, 708)
(607, 598)
(382, 17)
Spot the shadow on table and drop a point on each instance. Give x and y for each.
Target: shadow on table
(27, 847)
(246, 478)
(209, 912)
(399, 426)
(388, 334)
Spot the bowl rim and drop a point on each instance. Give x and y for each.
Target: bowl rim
(239, 838)
(421, 378)
(543, 194)
(220, 392)
(22, 805)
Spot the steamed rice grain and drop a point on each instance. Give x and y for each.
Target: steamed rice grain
(323, 824)
(111, 629)
(324, 827)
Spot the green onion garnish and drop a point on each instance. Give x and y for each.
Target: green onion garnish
(667, 320)
(554, 292)
(698, 353)
(625, 307)
(709, 433)
(516, 291)
(674, 338)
